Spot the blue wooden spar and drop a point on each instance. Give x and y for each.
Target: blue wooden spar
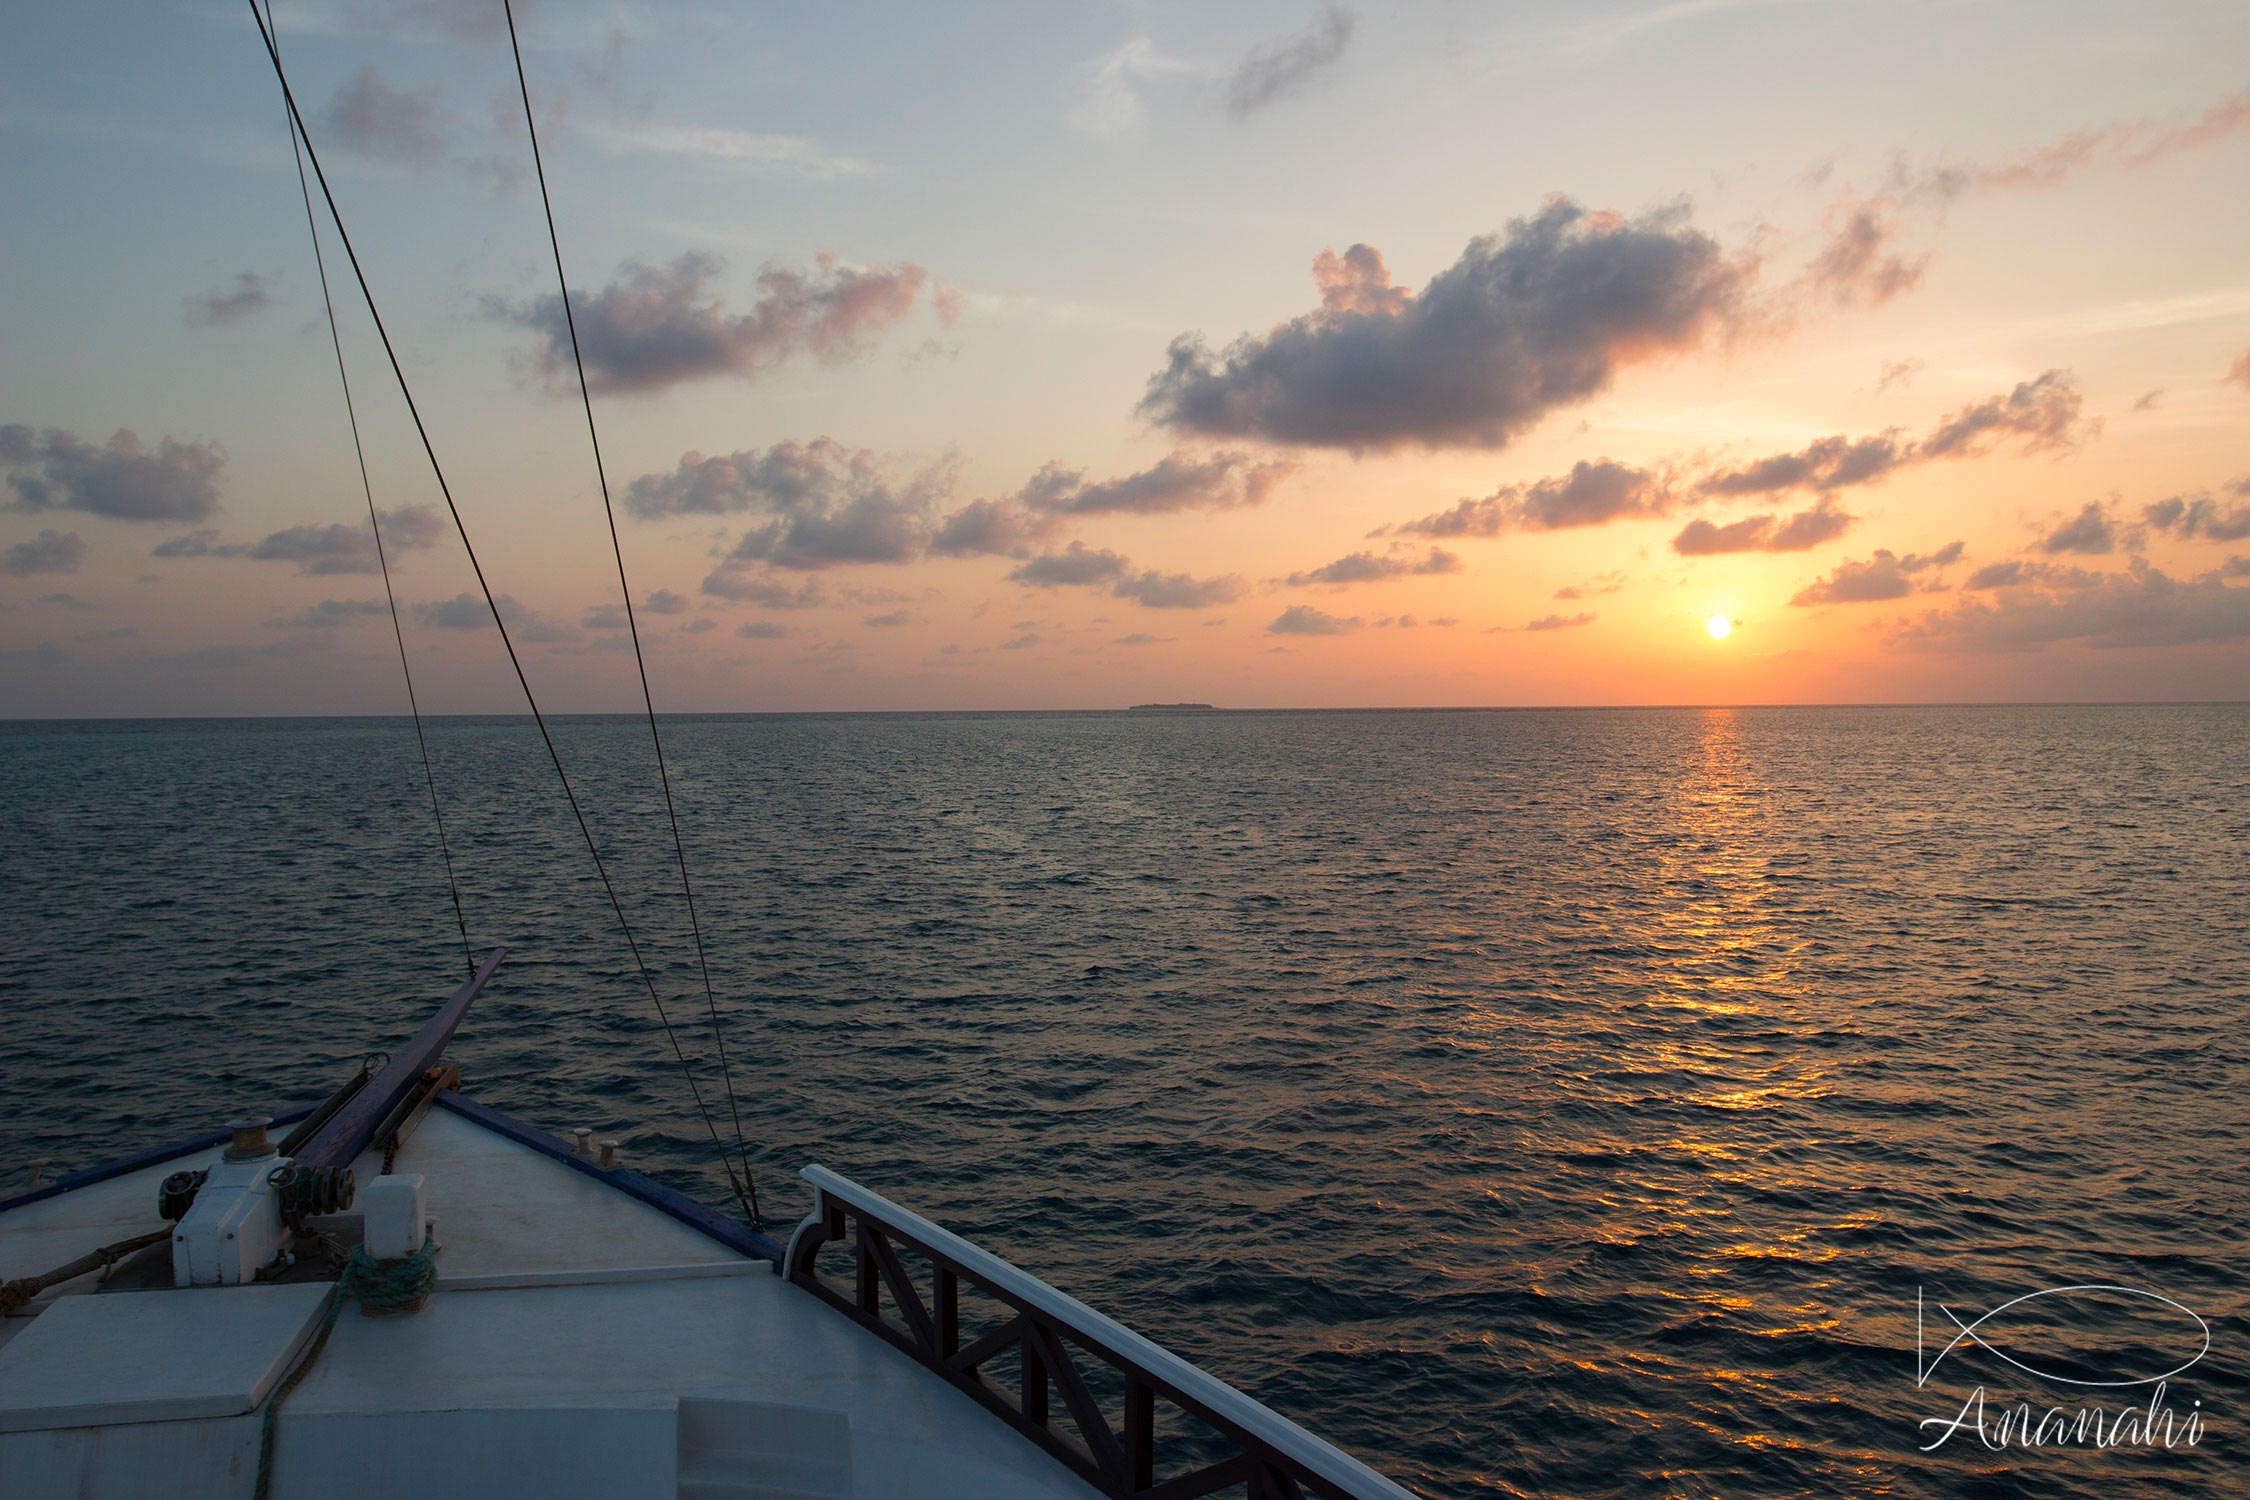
(350, 1130)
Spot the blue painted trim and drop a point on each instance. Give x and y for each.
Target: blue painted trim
(736, 1237)
(136, 1161)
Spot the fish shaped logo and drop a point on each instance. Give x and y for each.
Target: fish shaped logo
(2186, 1329)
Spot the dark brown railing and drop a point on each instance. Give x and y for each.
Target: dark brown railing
(1265, 1455)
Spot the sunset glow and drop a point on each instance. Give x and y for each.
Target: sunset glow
(1719, 626)
(1122, 362)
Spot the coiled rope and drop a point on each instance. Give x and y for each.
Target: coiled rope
(382, 1288)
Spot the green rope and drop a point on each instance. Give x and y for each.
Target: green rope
(383, 1288)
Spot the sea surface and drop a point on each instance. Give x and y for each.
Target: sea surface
(1535, 1103)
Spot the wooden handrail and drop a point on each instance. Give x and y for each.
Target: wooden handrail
(1278, 1460)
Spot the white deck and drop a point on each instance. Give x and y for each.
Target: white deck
(580, 1343)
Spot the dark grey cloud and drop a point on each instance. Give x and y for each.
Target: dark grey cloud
(995, 528)
(1022, 642)
(665, 602)
(789, 478)
(762, 630)
(1275, 70)
(1769, 533)
(1886, 575)
(656, 326)
(1303, 619)
(225, 305)
(891, 620)
(2087, 534)
(2199, 516)
(48, 552)
(1076, 566)
(1141, 638)
(1080, 566)
(2142, 607)
(1999, 575)
(606, 617)
(1159, 590)
(1589, 495)
(1368, 567)
(64, 600)
(329, 614)
(1178, 481)
(2038, 416)
(368, 116)
(1560, 622)
(336, 547)
(732, 583)
(1537, 318)
(469, 612)
(51, 469)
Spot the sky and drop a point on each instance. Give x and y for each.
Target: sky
(1027, 356)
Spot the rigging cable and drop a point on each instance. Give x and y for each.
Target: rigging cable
(632, 625)
(375, 524)
(429, 449)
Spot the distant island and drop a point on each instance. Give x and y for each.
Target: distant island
(1170, 708)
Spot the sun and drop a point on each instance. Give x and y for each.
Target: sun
(1720, 627)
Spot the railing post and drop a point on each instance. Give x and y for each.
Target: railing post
(1140, 1436)
(866, 1269)
(947, 1295)
(1034, 1380)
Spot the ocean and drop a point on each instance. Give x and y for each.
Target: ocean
(1574, 1103)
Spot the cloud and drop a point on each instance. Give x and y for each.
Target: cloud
(1538, 318)
(606, 617)
(1606, 583)
(2107, 611)
(995, 528)
(762, 630)
(1589, 495)
(2239, 371)
(1076, 566)
(1303, 619)
(2088, 533)
(2147, 400)
(2139, 143)
(788, 154)
(222, 306)
(1159, 590)
(64, 600)
(885, 621)
(368, 116)
(1897, 372)
(2000, 575)
(1800, 532)
(1178, 481)
(321, 550)
(656, 326)
(1886, 575)
(1367, 567)
(2199, 517)
(1560, 622)
(1859, 261)
(828, 505)
(2038, 416)
(762, 589)
(1022, 642)
(54, 470)
(48, 552)
(1139, 638)
(665, 602)
(329, 614)
(1274, 70)
(469, 612)
(350, 548)
(1107, 90)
